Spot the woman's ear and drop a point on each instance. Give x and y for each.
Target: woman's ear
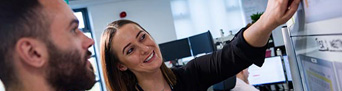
(121, 67)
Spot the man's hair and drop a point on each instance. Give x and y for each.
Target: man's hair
(19, 19)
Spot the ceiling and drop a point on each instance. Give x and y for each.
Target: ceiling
(85, 3)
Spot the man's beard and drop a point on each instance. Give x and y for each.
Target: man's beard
(67, 70)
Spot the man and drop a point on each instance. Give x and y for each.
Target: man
(42, 48)
(242, 83)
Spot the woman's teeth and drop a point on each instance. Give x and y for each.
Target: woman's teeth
(149, 58)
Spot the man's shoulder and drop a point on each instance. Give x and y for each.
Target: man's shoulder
(242, 86)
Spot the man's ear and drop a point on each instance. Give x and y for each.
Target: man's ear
(31, 52)
(122, 67)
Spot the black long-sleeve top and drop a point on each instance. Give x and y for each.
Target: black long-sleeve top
(202, 72)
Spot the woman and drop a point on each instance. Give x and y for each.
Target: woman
(132, 61)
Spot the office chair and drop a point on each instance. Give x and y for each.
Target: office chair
(225, 85)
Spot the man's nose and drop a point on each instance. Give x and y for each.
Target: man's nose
(88, 42)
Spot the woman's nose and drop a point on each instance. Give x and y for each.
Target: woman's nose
(144, 49)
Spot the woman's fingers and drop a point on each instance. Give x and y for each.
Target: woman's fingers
(291, 10)
(283, 6)
(278, 12)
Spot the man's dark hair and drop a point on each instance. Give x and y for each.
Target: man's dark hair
(18, 19)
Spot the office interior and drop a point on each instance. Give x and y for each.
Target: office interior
(186, 29)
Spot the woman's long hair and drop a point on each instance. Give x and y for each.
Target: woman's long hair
(115, 79)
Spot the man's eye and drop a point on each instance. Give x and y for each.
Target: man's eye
(130, 50)
(74, 30)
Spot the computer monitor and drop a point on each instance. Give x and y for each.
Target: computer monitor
(175, 49)
(202, 43)
(287, 67)
(271, 72)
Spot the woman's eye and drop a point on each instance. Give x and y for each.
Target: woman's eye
(130, 50)
(143, 37)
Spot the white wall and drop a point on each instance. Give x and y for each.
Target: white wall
(257, 6)
(252, 7)
(154, 15)
(197, 16)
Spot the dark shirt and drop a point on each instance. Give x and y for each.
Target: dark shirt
(202, 72)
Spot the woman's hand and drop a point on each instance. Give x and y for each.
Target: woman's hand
(277, 13)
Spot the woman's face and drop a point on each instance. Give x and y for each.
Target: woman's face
(136, 50)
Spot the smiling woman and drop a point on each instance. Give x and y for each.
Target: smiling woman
(119, 74)
(132, 60)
